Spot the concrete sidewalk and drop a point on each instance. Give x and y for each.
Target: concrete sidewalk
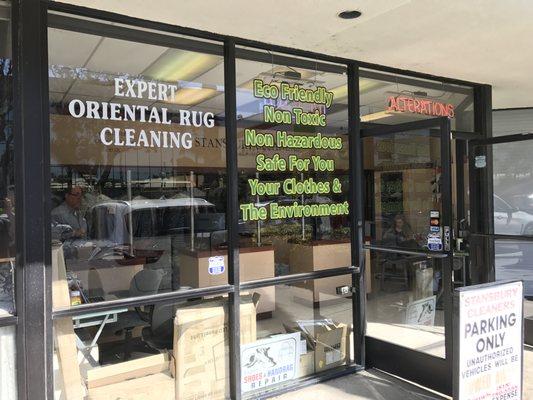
(367, 385)
(376, 385)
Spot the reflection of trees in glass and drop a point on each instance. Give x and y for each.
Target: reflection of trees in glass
(513, 159)
(84, 133)
(84, 137)
(78, 141)
(78, 73)
(513, 170)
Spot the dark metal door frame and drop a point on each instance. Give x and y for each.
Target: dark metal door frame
(428, 370)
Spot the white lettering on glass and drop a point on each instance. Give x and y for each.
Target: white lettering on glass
(130, 137)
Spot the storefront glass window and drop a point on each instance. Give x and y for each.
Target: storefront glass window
(392, 99)
(302, 329)
(138, 166)
(158, 351)
(293, 166)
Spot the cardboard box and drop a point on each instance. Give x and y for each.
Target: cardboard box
(255, 263)
(127, 370)
(201, 348)
(331, 347)
(327, 341)
(318, 256)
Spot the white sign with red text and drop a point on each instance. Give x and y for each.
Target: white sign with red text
(490, 342)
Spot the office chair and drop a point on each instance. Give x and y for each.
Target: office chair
(159, 334)
(145, 282)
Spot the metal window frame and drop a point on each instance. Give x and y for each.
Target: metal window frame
(31, 147)
(8, 320)
(34, 316)
(482, 265)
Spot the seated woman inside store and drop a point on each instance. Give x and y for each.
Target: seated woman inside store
(399, 234)
(398, 265)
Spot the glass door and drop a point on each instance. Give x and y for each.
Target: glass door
(408, 233)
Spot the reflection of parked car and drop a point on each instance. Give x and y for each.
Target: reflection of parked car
(149, 231)
(514, 258)
(149, 218)
(509, 220)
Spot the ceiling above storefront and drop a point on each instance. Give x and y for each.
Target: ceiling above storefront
(485, 41)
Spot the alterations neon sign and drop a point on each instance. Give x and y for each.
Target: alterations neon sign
(420, 106)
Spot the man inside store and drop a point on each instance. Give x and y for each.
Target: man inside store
(67, 219)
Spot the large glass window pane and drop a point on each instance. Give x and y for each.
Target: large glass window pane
(306, 330)
(293, 167)
(138, 166)
(513, 185)
(156, 351)
(7, 178)
(405, 301)
(403, 176)
(391, 99)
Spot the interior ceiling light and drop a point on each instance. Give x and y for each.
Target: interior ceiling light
(294, 75)
(377, 116)
(351, 14)
(180, 65)
(194, 96)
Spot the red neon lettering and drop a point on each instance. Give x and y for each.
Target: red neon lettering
(451, 110)
(420, 106)
(410, 104)
(393, 105)
(417, 106)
